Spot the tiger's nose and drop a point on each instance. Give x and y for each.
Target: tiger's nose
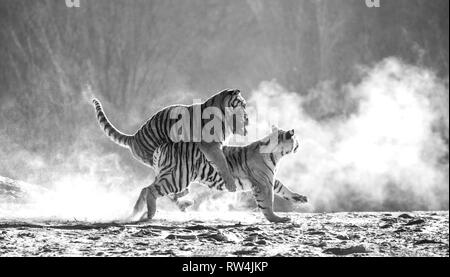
(296, 146)
(290, 134)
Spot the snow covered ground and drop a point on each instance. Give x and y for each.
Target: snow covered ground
(248, 234)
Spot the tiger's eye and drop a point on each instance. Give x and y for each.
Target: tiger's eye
(289, 135)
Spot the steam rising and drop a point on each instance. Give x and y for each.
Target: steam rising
(390, 152)
(87, 185)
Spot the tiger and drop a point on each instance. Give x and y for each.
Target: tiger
(159, 129)
(253, 166)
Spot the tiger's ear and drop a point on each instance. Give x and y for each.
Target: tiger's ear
(235, 91)
(232, 92)
(274, 128)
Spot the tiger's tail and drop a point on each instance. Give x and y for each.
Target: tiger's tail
(115, 135)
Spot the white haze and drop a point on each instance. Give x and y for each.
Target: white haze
(387, 152)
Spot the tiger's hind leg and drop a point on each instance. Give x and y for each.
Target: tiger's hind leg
(147, 198)
(161, 187)
(140, 204)
(287, 194)
(263, 193)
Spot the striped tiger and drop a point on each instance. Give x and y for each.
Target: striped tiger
(157, 130)
(180, 164)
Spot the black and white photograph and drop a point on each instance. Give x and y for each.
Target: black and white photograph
(224, 128)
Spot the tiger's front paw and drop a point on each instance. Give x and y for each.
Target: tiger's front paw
(230, 185)
(230, 188)
(278, 219)
(299, 198)
(184, 204)
(144, 217)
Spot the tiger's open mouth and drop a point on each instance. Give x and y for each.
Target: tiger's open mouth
(246, 122)
(295, 145)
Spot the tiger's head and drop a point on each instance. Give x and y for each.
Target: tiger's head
(233, 107)
(280, 142)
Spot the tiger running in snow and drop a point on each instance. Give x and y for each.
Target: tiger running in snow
(253, 166)
(159, 129)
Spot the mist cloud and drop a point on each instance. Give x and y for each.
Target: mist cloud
(386, 150)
